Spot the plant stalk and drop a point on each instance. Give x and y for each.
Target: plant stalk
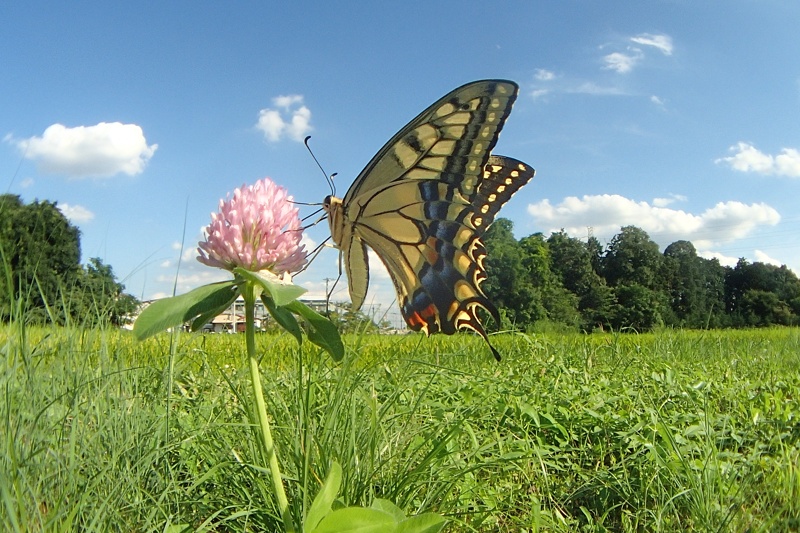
(261, 409)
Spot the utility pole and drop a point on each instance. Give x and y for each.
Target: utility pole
(327, 297)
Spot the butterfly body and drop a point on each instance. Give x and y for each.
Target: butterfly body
(423, 203)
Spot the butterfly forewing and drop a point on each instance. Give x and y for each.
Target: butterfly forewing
(449, 141)
(423, 203)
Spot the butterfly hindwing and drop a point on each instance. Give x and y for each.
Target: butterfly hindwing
(423, 203)
(502, 177)
(438, 271)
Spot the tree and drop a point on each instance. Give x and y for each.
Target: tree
(97, 296)
(764, 308)
(630, 284)
(638, 307)
(695, 286)
(572, 263)
(40, 255)
(632, 257)
(595, 254)
(509, 285)
(559, 303)
(713, 276)
(634, 268)
(748, 308)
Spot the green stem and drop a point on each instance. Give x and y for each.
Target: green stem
(261, 409)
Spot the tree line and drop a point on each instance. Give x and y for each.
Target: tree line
(630, 284)
(555, 279)
(41, 278)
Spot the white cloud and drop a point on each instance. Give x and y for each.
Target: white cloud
(724, 260)
(308, 242)
(590, 87)
(624, 62)
(656, 100)
(75, 213)
(748, 158)
(662, 42)
(761, 257)
(289, 118)
(287, 101)
(577, 87)
(102, 150)
(621, 63)
(316, 289)
(605, 214)
(664, 202)
(544, 75)
(377, 270)
(539, 93)
(192, 274)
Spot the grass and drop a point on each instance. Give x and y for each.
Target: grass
(669, 431)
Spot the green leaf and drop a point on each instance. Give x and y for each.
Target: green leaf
(357, 520)
(170, 312)
(283, 317)
(206, 317)
(282, 292)
(322, 332)
(388, 507)
(422, 523)
(321, 506)
(177, 528)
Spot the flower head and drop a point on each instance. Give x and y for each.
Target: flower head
(258, 229)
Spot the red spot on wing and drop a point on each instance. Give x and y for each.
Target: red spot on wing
(420, 319)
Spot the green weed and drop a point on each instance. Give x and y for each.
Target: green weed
(669, 431)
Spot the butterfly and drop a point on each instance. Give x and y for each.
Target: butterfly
(423, 203)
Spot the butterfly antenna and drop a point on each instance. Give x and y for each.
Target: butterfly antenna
(329, 179)
(311, 215)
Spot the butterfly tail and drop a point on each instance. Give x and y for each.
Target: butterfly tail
(474, 324)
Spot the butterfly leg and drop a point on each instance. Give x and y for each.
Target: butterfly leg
(329, 293)
(313, 254)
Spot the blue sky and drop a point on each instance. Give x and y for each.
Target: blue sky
(680, 117)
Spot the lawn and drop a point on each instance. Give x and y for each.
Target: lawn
(669, 431)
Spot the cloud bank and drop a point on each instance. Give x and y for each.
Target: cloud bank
(606, 213)
(98, 151)
(747, 158)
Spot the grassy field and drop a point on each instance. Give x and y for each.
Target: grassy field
(671, 431)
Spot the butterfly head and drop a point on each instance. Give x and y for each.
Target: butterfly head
(334, 208)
